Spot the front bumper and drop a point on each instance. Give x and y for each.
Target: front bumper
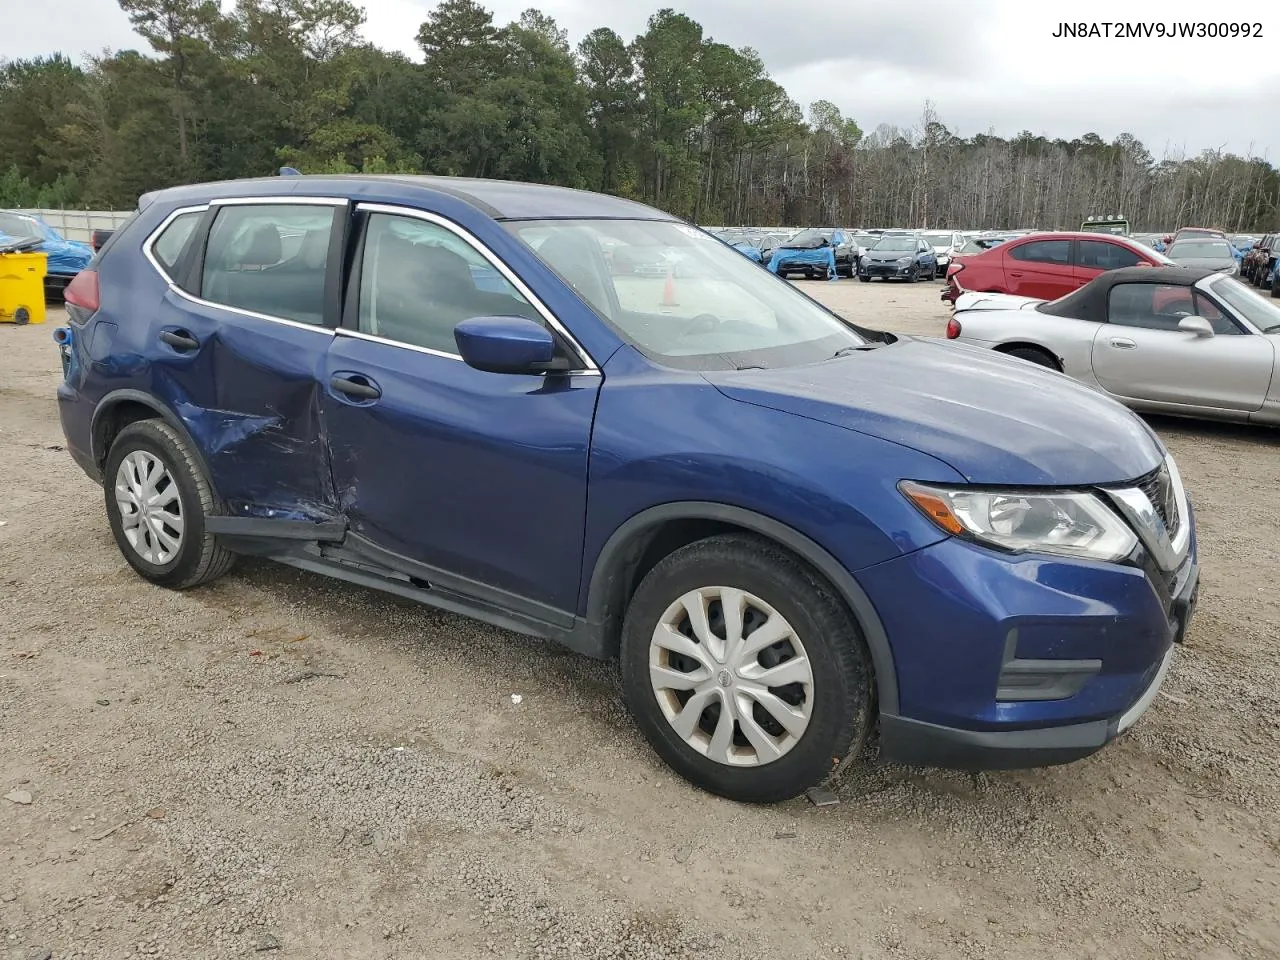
(885, 269)
(1007, 662)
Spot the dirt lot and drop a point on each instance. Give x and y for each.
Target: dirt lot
(284, 766)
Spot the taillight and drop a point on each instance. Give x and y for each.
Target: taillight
(953, 328)
(954, 268)
(82, 291)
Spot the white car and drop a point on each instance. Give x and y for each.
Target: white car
(1171, 340)
(946, 244)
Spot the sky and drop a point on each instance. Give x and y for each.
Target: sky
(987, 65)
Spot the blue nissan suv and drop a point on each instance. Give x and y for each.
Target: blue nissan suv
(791, 531)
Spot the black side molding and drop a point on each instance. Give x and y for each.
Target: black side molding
(265, 528)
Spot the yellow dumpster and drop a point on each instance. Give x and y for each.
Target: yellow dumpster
(22, 287)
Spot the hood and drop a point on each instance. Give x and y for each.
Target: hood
(1206, 263)
(890, 255)
(994, 419)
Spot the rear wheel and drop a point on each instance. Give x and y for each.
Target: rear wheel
(744, 671)
(1034, 354)
(157, 500)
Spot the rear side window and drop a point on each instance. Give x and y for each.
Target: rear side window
(270, 259)
(168, 247)
(1100, 255)
(1043, 251)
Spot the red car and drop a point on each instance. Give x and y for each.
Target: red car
(1046, 265)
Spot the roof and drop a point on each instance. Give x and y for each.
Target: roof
(500, 199)
(1090, 301)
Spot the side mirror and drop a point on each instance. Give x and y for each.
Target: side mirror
(505, 344)
(1197, 325)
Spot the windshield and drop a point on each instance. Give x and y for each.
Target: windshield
(20, 228)
(809, 238)
(1262, 312)
(684, 299)
(938, 239)
(1206, 249)
(896, 244)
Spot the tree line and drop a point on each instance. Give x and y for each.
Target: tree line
(672, 118)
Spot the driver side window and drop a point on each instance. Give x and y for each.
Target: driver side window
(418, 281)
(1154, 306)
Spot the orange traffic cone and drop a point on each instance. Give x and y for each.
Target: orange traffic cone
(669, 290)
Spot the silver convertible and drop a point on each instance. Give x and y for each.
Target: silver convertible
(1172, 340)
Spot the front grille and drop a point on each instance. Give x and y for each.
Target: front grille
(1158, 487)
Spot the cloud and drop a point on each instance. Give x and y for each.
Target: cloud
(985, 64)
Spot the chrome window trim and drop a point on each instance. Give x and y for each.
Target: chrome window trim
(507, 273)
(374, 338)
(240, 311)
(154, 235)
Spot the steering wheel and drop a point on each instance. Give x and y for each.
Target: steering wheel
(702, 323)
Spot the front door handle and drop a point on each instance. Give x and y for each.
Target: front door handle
(1122, 343)
(355, 386)
(1015, 273)
(180, 340)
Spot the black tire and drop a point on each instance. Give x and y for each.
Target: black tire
(1275, 285)
(843, 679)
(864, 279)
(914, 276)
(1034, 354)
(22, 316)
(199, 557)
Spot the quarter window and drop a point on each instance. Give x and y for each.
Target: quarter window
(419, 280)
(270, 259)
(1043, 251)
(1100, 255)
(168, 247)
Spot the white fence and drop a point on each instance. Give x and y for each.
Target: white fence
(80, 224)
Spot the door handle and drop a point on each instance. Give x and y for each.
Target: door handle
(1123, 343)
(180, 340)
(1015, 273)
(355, 386)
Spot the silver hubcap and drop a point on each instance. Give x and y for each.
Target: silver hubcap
(731, 676)
(150, 508)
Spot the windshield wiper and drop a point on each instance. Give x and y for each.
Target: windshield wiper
(1274, 328)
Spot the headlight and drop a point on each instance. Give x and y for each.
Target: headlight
(1069, 524)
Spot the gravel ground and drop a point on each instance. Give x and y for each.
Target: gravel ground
(281, 765)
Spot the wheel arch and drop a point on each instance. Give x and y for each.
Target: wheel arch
(639, 543)
(118, 409)
(1029, 345)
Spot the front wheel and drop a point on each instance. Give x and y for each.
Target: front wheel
(157, 500)
(746, 674)
(914, 275)
(864, 279)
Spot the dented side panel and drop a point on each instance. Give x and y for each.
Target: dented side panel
(248, 396)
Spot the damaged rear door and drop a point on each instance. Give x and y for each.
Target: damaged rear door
(241, 341)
